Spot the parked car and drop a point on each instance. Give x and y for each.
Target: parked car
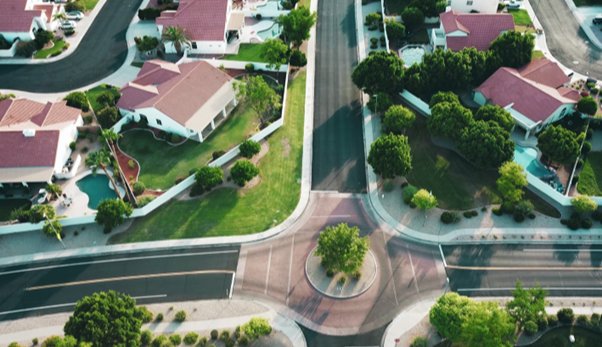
(74, 15)
(68, 25)
(513, 5)
(597, 19)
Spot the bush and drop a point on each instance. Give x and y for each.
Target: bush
(214, 334)
(552, 320)
(175, 138)
(587, 105)
(450, 217)
(175, 339)
(574, 222)
(419, 342)
(146, 337)
(180, 316)
(202, 342)
(586, 223)
(225, 335)
(138, 188)
(160, 341)
(530, 327)
(257, 327)
(34, 341)
(108, 116)
(587, 147)
(207, 178)
(159, 317)
(542, 322)
(243, 340)
(249, 67)
(243, 171)
(379, 102)
(191, 338)
(78, 100)
(76, 5)
(395, 31)
(469, 214)
(565, 316)
(374, 43)
(298, 58)
(397, 119)
(146, 43)
(249, 148)
(149, 13)
(412, 17)
(25, 49)
(582, 320)
(595, 319)
(14, 344)
(42, 37)
(407, 193)
(497, 211)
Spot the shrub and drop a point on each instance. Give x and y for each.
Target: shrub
(469, 214)
(72, 145)
(225, 335)
(298, 58)
(202, 342)
(175, 138)
(542, 322)
(160, 341)
(407, 193)
(180, 316)
(249, 148)
(595, 319)
(586, 223)
(412, 17)
(108, 116)
(146, 43)
(14, 344)
(450, 217)
(207, 178)
(397, 119)
(530, 327)
(131, 164)
(243, 171)
(159, 317)
(138, 188)
(574, 222)
(373, 18)
(175, 339)
(42, 37)
(215, 155)
(257, 327)
(419, 342)
(374, 43)
(249, 67)
(565, 316)
(552, 320)
(497, 211)
(587, 147)
(146, 337)
(35, 341)
(191, 338)
(587, 105)
(76, 5)
(214, 334)
(78, 100)
(379, 102)
(582, 320)
(243, 340)
(149, 13)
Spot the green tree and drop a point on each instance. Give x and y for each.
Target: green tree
(146, 43)
(513, 48)
(257, 327)
(494, 113)
(486, 145)
(53, 228)
(57, 341)
(106, 319)
(208, 178)
(380, 72)
(448, 315)
(487, 325)
(390, 156)
(6, 96)
(298, 58)
(424, 200)
(102, 159)
(511, 182)
(78, 100)
(431, 8)
(412, 17)
(587, 105)
(249, 148)
(275, 53)
(107, 116)
(262, 98)
(243, 171)
(527, 304)
(297, 24)
(440, 97)
(584, 204)
(54, 190)
(395, 31)
(111, 213)
(177, 36)
(342, 249)
(397, 119)
(449, 120)
(558, 144)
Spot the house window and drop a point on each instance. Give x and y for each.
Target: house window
(194, 46)
(469, 3)
(158, 121)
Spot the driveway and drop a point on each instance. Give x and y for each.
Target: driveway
(338, 154)
(566, 41)
(102, 51)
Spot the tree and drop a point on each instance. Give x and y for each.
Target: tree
(53, 228)
(424, 200)
(342, 249)
(558, 144)
(449, 120)
(486, 145)
(256, 327)
(587, 105)
(243, 171)
(57, 341)
(584, 204)
(111, 137)
(380, 72)
(431, 8)
(78, 100)
(448, 315)
(106, 319)
(262, 98)
(102, 159)
(527, 304)
(207, 178)
(146, 43)
(42, 37)
(511, 182)
(513, 48)
(297, 24)
(177, 36)
(494, 113)
(390, 156)
(397, 119)
(275, 53)
(440, 97)
(76, 5)
(111, 213)
(412, 17)
(54, 190)
(249, 148)
(395, 30)
(298, 58)
(108, 116)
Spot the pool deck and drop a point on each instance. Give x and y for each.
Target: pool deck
(79, 206)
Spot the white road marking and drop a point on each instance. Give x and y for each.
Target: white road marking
(525, 268)
(105, 261)
(231, 285)
(413, 271)
(267, 275)
(290, 270)
(513, 288)
(560, 250)
(73, 304)
(442, 256)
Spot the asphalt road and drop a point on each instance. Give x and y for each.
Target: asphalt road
(371, 338)
(168, 276)
(565, 39)
(563, 270)
(101, 52)
(338, 154)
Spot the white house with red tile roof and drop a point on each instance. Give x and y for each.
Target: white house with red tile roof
(464, 30)
(35, 139)
(535, 95)
(20, 19)
(208, 24)
(189, 99)
(479, 6)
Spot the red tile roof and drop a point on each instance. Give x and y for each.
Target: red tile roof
(14, 17)
(546, 72)
(480, 28)
(16, 111)
(17, 150)
(178, 97)
(202, 20)
(48, 9)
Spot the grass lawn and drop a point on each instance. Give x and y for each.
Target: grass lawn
(9, 205)
(536, 54)
(230, 211)
(587, 2)
(590, 179)
(59, 46)
(97, 91)
(247, 52)
(521, 17)
(89, 4)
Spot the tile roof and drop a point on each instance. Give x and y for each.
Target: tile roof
(546, 72)
(14, 17)
(17, 150)
(38, 115)
(178, 97)
(480, 28)
(48, 9)
(202, 20)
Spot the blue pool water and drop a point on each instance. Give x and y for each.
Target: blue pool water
(272, 32)
(527, 158)
(97, 188)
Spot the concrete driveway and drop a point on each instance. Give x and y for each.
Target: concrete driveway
(565, 38)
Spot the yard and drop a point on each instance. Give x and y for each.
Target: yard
(97, 91)
(89, 4)
(394, 7)
(590, 179)
(228, 211)
(521, 17)
(58, 48)
(247, 52)
(587, 2)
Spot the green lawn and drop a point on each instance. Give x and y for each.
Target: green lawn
(161, 164)
(590, 179)
(97, 91)
(55, 50)
(230, 211)
(247, 52)
(521, 17)
(89, 4)
(587, 2)
(536, 54)
(9, 205)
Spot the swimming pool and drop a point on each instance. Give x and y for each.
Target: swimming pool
(97, 188)
(527, 158)
(270, 33)
(411, 55)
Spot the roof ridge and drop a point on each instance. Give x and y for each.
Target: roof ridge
(541, 87)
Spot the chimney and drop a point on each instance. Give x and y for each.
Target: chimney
(29, 132)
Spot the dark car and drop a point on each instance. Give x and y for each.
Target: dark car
(597, 19)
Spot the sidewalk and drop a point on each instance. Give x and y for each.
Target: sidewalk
(202, 317)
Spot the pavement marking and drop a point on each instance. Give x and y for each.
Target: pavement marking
(513, 288)
(126, 278)
(524, 268)
(413, 271)
(560, 250)
(267, 275)
(290, 270)
(231, 286)
(73, 304)
(442, 256)
(105, 261)
(391, 271)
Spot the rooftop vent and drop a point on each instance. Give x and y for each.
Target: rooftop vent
(29, 132)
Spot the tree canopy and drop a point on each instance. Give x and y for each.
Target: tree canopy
(390, 156)
(513, 49)
(494, 113)
(380, 72)
(511, 182)
(258, 94)
(486, 145)
(440, 97)
(296, 25)
(208, 178)
(249, 148)
(342, 249)
(584, 204)
(587, 105)
(395, 31)
(527, 304)
(243, 171)
(275, 52)
(412, 17)
(449, 120)
(558, 144)
(397, 119)
(111, 213)
(431, 8)
(424, 200)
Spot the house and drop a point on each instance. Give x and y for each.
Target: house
(20, 19)
(189, 99)
(474, 6)
(209, 25)
(463, 30)
(535, 95)
(35, 139)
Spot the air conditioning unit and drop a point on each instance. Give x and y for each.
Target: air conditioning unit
(29, 132)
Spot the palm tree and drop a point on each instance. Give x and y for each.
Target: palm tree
(54, 190)
(102, 159)
(111, 137)
(60, 16)
(176, 35)
(54, 228)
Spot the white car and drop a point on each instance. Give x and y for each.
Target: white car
(68, 25)
(74, 15)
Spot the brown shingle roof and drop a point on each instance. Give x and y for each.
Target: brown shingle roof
(15, 111)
